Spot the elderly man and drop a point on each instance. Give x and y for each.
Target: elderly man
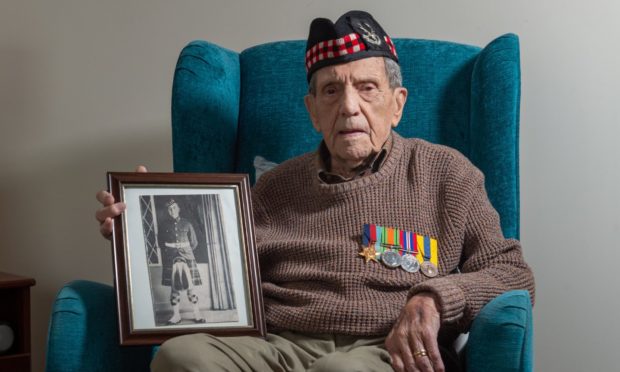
(375, 251)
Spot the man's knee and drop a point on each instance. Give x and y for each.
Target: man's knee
(184, 354)
(339, 362)
(167, 356)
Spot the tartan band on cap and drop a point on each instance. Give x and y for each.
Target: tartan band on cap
(390, 44)
(355, 35)
(349, 44)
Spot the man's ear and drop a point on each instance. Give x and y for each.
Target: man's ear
(311, 108)
(400, 98)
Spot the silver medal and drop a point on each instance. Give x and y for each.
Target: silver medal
(410, 263)
(391, 259)
(429, 269)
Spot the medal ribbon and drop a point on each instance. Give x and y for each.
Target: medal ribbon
(412, 246)
(370, 234)
(389, 235)
(403, 242)
(366, 236)
(379, 236)
(424, 248)
(429, 246)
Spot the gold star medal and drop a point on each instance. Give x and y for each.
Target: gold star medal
(369, 253)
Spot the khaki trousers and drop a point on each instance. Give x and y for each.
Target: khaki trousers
(286, 351)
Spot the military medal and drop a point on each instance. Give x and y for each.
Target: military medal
(399, 248)
(410, 263)
(369, 253)
(391, 258)
(427, 267)
(390, 255)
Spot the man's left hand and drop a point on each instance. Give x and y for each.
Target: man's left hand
(412, 343)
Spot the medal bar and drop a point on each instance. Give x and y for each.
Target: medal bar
(399, 248)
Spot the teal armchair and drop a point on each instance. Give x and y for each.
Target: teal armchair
(230, 109)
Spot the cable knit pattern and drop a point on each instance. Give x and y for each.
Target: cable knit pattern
(309, 235)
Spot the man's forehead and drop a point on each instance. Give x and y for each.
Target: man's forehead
(367, 68)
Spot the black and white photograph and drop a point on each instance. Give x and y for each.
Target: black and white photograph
(189, 268)
(184, 256)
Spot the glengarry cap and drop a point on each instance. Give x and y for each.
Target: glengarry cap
(355, 35)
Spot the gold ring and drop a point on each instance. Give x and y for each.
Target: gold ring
(420, 353)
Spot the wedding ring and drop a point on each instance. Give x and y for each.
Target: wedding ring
(420, 353)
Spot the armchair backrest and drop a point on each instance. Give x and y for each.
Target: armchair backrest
(228, 108)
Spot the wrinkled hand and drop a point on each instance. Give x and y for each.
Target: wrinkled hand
(416, 329)
(110, 209)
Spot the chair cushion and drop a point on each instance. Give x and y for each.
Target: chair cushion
(262, 165)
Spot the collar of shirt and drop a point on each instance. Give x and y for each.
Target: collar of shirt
(371, 165)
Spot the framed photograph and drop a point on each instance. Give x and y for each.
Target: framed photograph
(184, 256)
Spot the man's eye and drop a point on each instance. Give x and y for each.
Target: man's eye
(368, 87)
(330, 91)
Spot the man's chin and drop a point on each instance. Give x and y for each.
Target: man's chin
(354, 156)
(353, 143)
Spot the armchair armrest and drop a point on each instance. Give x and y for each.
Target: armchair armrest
(500, 338)
(83, 333)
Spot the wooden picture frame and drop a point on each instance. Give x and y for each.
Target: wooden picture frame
(184, 257)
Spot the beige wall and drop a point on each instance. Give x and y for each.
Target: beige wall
(85, 88)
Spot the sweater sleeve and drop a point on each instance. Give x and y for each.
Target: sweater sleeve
(490, 264)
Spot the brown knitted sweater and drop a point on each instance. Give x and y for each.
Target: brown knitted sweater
(309, 235)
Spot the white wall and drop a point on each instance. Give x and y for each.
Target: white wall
(85, 88)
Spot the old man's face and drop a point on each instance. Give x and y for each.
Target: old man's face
(354, 109)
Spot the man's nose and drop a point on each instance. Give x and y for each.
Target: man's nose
(350, 105)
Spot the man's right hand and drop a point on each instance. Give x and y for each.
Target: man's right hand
(110, 209)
